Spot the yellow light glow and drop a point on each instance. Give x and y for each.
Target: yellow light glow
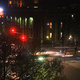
(50, 35)
(11, 17)
(47, 37)
(35, 6)
(10, 2)
(61, 34)
(72, 15)
(78, 51)
(70, 37)
(67, 55)
(50, 24)
(61, 24)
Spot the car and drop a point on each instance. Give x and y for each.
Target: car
(42, 52)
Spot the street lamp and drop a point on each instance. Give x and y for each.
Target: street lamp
(1, 10)
(47, 37)
(70, 37)
(72, 15)
(40, 58)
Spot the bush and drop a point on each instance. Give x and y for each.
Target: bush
(46, 70)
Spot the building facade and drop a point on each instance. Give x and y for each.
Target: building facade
(50, 23)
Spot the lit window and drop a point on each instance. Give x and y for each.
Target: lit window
(61, 24)
(25, 22)
(70, 37)
(20, 3)
(15, 18)
(31, 22)
(35, 6)
(36, 1)
(11, 17)
(50, 24)
(72, 16)
(10, 2)
(47, 37)
(50, 35)
(20, 19)
(61, 34)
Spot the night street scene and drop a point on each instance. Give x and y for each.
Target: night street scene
(39, 40)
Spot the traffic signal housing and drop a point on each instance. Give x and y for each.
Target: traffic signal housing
(12, 30)
(23, 38)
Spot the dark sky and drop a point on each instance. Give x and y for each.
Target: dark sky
(54, 2)
(59, 2)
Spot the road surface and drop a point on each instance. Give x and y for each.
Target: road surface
(71, 63)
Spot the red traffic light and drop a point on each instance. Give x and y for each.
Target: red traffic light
(23, 38)
(12, 30)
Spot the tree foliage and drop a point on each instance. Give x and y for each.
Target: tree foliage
(45, 70)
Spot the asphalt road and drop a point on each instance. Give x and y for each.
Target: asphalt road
(71, 71)
(72, 66)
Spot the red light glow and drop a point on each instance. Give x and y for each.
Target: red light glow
(23, 38)
(12, 30)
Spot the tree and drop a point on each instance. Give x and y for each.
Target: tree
(45, 70)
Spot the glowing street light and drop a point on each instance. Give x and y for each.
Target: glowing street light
(1, 10)
(70, 37)
(47, 37)
(40, 58)
(72, 15)
(1, 13)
